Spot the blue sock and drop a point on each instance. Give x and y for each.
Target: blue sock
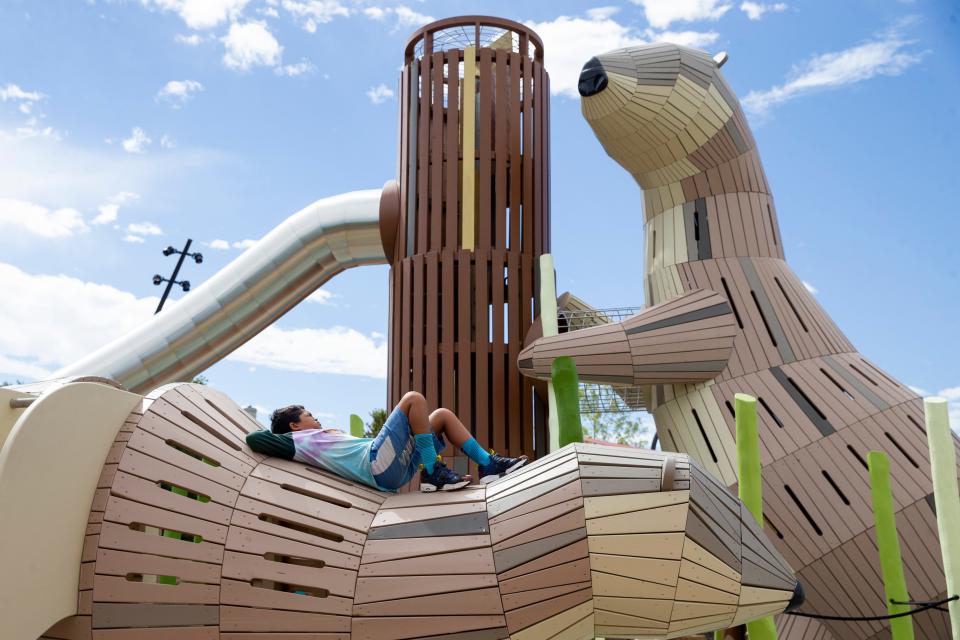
(428, 454)
(475, 452)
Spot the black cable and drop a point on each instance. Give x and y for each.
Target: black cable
(921, 602)
(930, 605)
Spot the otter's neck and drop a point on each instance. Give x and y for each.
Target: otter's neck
(723, 211)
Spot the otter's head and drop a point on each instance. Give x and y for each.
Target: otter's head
(664, 112)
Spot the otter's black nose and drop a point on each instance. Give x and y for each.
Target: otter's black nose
(593, 79)
(797, 599)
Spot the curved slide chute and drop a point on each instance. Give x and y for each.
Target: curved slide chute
(287, 265)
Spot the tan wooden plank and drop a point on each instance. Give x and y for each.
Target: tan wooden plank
(656, 520)
(551, 527)
(532, 614)
(504, 530)
(652, 569)
(569, 623)
(336, 491)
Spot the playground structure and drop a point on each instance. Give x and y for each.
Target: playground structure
(192, 536)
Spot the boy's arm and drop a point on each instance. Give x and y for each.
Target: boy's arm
(271, 444)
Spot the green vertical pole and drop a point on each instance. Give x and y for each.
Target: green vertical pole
(751, 486)
(943, 468)
(356, 426)
(548, 320)
(563, 372)
(888, 545)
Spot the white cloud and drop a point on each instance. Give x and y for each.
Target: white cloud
(132, 239)
(886, 55)
(34, 339)
(310, 13)
(952, 396)
(322, 296)
(695, 39)
(662, 13)
(250, 45)
(572, 41)
(809, 287)
(379, 93)
(244, 244)
(166, 142)
(294, 70)
(144, 229)
(200, 14)
(407, 17)
(13, 92)
(111, 208)
(178, 92)
(338, 350)
(191, 40)
(40, 221)
(137, 142)
(755, 10)
(219, 244)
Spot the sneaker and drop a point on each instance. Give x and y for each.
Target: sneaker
(442, 479)
(499, 466)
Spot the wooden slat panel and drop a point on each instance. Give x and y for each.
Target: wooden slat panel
(498, 417)
(431, 386)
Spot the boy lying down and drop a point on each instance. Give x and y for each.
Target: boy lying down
(409, 439)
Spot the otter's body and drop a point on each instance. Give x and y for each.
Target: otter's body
(667, 116)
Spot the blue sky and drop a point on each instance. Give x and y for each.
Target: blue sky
(128, 126)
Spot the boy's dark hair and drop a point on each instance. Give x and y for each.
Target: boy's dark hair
(281, 418)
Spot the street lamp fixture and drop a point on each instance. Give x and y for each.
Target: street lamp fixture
(172, 280)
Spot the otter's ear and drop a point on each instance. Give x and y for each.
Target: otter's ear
(721, 59)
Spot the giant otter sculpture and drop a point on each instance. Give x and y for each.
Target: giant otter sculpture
(715, 268)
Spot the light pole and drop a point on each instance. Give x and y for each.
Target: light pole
(172, 280)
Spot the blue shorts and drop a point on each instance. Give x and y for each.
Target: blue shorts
(393, 457)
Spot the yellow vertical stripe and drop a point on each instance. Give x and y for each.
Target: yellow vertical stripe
(469, 121)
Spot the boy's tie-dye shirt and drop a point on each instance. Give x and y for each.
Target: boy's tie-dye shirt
(337, 452)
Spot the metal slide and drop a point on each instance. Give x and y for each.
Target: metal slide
(246, 296)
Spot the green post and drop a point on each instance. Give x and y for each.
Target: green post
(566, 384)
(943, 465)
(548, 320)
(356, 426)
(751, 486)
(888, 544)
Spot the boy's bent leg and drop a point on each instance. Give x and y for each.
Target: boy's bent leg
(491, 466)
(391, 455)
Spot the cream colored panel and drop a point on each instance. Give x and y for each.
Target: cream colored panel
(49, 467)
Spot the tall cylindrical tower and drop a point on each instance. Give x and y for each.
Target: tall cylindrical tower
(466, 221)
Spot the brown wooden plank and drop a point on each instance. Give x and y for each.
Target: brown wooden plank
(379, 589)
(423, 161)
(151, 445)
(498, 418)
(485, 140)
(244, 594)
(180, 633)
(335, 491)
(531, 614)
(513, 417)
(451, 194)
(191, 437)
(431, 327)
(473, 602)
(528, 160)
(407, 303)
(467, 561)
(257, 515)
(140, 490)
(501, 125)
(246, 567)
(566, 494)
(345, 517)
(119, 589)
(234, 618)
(120, 615)
(465, 342)
(436, 155)
(401, 628)
(122, 563)
(127, 512)
(260, 543)
(418, 328)
(562, 556)
(482, 340)
(448, 384)
(121, 537)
